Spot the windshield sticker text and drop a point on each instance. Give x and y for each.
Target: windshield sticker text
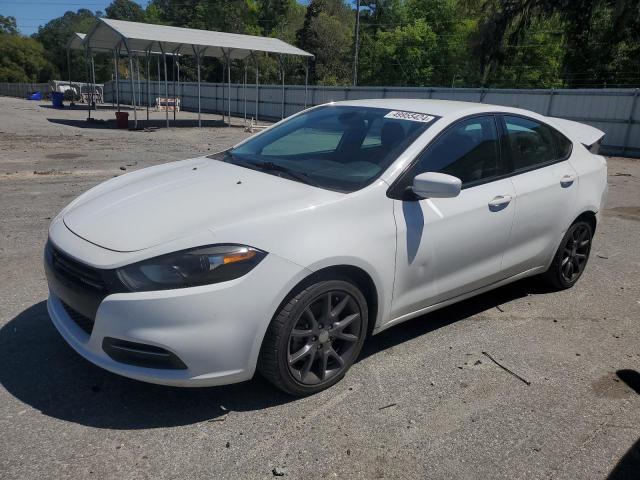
(412, 116)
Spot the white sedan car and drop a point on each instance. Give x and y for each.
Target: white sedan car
(284, 253)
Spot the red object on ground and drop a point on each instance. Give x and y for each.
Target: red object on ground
(122, 120)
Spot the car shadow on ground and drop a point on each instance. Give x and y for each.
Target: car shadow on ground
(41, 370)
(111, 124)
(628, 467)
(440, 318)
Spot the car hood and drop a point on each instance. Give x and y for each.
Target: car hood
(157, 205)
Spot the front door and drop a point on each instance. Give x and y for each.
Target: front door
(450, 246)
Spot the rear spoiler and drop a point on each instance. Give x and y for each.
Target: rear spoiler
(587, 135)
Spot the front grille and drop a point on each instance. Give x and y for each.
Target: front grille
(85, 323)
(76, 272)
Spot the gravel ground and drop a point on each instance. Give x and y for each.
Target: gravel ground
(423, 401)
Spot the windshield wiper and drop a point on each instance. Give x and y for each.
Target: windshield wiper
(228, 157)
(275, 167)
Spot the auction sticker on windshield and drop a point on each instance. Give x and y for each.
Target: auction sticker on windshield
(412, 116)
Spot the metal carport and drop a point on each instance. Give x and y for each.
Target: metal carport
(113, 35)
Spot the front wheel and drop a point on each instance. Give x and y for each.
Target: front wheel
(571, 257)
(315, 337)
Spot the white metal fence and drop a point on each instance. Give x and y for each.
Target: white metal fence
(22, 89)
(614, 111)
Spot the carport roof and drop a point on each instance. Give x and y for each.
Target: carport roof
(108, 33)
(75, 42)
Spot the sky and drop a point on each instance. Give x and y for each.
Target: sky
(30, 14)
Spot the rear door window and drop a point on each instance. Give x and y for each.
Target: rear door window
(534, 144)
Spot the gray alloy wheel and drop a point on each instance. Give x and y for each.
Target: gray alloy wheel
(571, 257)
(324, 338)
(315, 337)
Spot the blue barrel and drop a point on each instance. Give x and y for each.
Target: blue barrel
(56, 99)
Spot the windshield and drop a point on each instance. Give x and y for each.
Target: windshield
(341, 148)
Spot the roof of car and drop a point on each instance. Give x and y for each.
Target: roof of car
(440, 108)
(451, 109)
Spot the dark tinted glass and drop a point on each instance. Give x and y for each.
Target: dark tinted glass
(563, 145)
(337, 147)
(533, 143)
(468, 150)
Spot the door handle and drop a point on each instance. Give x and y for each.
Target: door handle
(499, 202)
(567, 181)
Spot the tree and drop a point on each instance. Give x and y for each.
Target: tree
(54, 37)
(23, 59)
(125, 10)
(403, 56)
(235, 16)
(327, 33)
(8, 25)
(594, 33)
(274, 16)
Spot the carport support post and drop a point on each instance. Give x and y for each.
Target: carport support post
(224, 65)
(175, 65)
(178, 73)
(138, 75)
(173, 93)
(88, 73)
(281, 62)
(159, 77)
(244, 91)
(115, 64)
(133, 87)
(196, 52)
(255, 61)
(306, 80)
(93, 80)
(69, 69)
(180, 87)
(166, 85)
(229, 84)
(148, 81)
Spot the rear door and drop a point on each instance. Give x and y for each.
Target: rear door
(546, 187)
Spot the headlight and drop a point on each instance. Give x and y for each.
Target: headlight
(189, 268)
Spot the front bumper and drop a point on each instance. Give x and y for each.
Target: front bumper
(216, 330)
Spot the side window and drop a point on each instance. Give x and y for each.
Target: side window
(533, 143)
(563, 144)
(469, 150)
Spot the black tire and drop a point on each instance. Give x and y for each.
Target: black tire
(324, 352)
(571, 258)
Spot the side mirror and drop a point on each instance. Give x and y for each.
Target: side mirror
(436, 185)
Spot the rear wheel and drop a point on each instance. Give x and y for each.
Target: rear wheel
(315, 337)
(571, 257)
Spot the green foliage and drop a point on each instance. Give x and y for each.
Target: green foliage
(23, 59)
(125, 10)
(403, 56)
(54, 37)
(8, 25)
(236, 16)
(327, 33)
(492, 43)
(598, 37)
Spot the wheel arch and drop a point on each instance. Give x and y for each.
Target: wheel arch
(356, 275)
(588, 216)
